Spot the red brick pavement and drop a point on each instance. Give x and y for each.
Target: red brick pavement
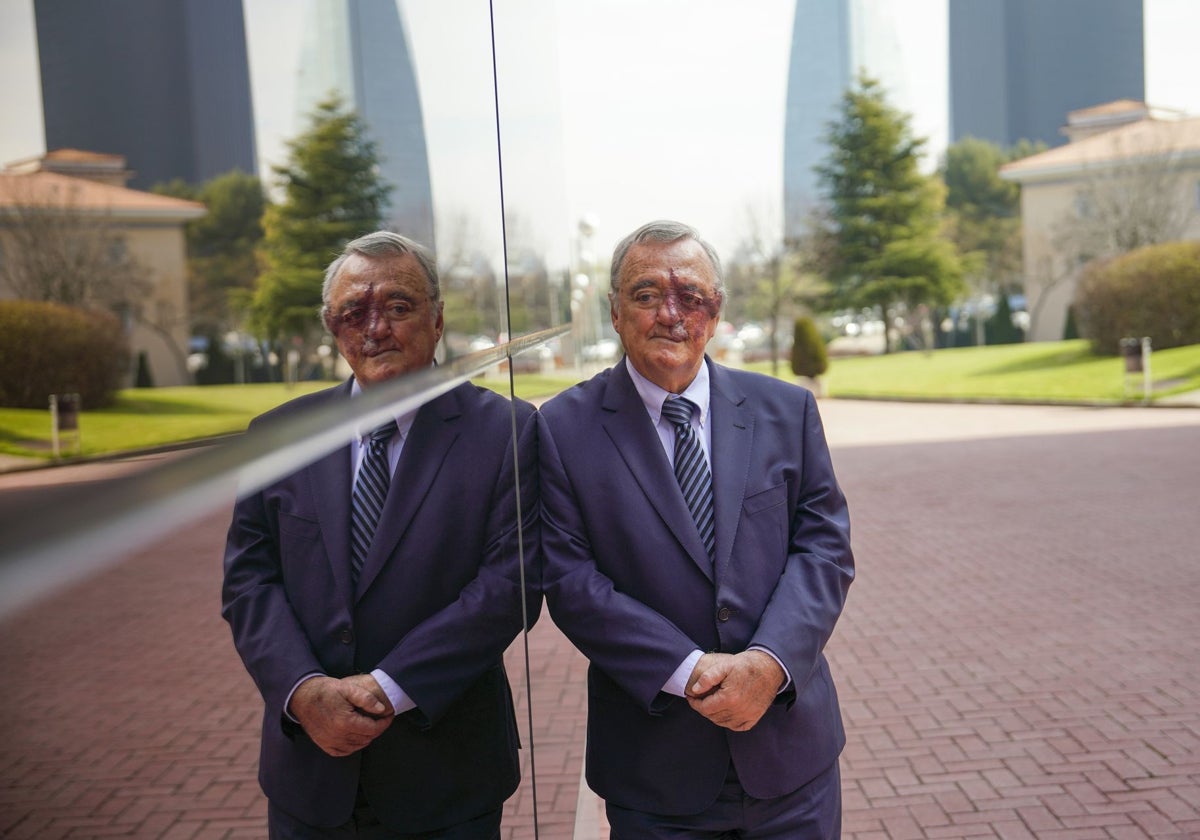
(1019, 658)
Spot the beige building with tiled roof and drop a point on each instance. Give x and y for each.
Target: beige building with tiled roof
(1129, 176)
(148, 228)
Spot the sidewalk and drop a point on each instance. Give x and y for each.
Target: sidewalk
(1019, 656)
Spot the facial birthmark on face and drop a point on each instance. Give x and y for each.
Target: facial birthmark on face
(691, 297)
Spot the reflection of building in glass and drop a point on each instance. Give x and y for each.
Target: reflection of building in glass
(77, 202)
(1129, 174)
(358, 49)
(1016, 66)
(832, 40)
(163, 83)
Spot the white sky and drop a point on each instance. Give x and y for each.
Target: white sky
(669, 108)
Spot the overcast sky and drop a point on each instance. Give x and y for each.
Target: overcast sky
(688, 124)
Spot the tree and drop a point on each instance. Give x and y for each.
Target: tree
(331, 193)
(222, 265)
(767, 279)
(985, 215)
(884, 216)
(1130, 200)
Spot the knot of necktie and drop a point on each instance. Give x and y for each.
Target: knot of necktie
(382, 434)
(679, 411)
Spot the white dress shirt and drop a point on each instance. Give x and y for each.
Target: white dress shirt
(699, 392)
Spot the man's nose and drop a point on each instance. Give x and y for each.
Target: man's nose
(668, 310)
(377, 323)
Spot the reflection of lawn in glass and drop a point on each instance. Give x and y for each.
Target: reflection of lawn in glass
(146, 417)
(1046, 371)
(1034, 372)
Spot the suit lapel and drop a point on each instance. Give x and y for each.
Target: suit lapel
(429, 440)
(330, 480)
(732, 440)
(628, 426)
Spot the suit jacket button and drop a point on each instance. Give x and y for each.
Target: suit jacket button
(724, 613)
(346, 636)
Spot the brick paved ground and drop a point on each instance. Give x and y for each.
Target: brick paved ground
(1020, 656)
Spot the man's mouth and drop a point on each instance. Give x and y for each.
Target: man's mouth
(371, 351)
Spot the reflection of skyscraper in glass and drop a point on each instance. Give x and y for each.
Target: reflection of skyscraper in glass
(358, 48)
(832, 40)
(1017, 67)
(164, 83)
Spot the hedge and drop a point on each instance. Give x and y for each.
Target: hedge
(1153, 291)
(48, 348)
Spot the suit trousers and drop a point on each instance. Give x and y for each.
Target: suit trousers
(364, 825)
(812, 812)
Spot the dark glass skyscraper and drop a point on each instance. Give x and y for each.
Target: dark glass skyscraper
(1017, 67)
(166, 83)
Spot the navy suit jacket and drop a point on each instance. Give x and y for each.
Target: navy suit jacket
(628, 580)
(436, 605)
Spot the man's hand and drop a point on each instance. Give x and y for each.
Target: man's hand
(735, 691)
(341, 716)
(369, 683)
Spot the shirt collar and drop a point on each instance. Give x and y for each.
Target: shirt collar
(403, 421)
(654, 396)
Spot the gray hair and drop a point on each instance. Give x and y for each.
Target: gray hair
(662, 230)
(383, 243)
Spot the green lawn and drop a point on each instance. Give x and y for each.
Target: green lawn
(1061, 371)
(1050, 372)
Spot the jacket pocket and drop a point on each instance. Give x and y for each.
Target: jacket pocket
(766, 499)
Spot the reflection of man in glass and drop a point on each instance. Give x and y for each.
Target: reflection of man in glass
(372, 593)
(697, 551)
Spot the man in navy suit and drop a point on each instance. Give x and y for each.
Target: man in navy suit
(704, 612)
(387, 709)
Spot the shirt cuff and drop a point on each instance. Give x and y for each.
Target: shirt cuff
(677, 684)
(400, 701)
(287, 704)
(787, 678)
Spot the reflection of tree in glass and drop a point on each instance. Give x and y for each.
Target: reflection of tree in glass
(330, 193)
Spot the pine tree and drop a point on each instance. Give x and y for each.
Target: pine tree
(332, 193)
(884, 215)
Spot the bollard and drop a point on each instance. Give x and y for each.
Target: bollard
(64, 417)
(1136, 353)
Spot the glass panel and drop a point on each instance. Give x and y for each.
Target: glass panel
(502, 229)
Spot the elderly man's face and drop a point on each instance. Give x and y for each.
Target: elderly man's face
(382, 317)
(666, 309)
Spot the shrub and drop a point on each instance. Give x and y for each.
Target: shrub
(1000, 329)
(809, 357)
(48, 348)
(1153, 291)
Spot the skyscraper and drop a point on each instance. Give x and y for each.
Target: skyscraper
(1017, 67)
(832, 41)
(359, 49)
(164, 83)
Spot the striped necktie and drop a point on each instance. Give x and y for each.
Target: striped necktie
(370, 489)
(691, 470)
